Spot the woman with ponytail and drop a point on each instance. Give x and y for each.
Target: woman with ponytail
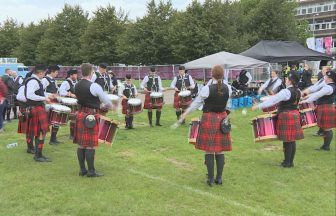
(288, 126)
(210, 138)
(324, 95)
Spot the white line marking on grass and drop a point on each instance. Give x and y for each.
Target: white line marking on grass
(256, 210)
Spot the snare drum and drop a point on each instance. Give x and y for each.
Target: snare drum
(185, 98)
(107, 130)
(134, 106)
(193, 130)
(114, 99)
(58, 114)
(72, 103)
(271, 109)
(304, 106)
(264, 127)
(156, 99)
(308, 118)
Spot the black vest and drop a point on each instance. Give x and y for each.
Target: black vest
(51, 88)
(39, 92)
(328, 99)
(292, 103)
(104, 81)
(129, 90)
(9, 82)
(179, 81)
(243, 79)
(16, 85)
(84, 96)
(216, 102)
(270, 84)
(150, 83)
(72, 86)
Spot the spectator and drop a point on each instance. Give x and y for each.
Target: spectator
(3, 93)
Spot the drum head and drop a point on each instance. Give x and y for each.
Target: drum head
(156, 95)
(134, 101)
(113, 97)
(69, 101)
(60, 108)
(185, 93)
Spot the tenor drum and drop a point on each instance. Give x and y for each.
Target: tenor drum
(304, 106)
(265, 127)
(185, 98)
(58, 114)
(134, 106)
(72, 103)
(308, 118)
(271, 109)
(107, 130)
(156, 99)
(193, 130)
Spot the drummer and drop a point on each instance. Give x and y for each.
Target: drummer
(324, 95)
(38, 124)
(127, 91)
(272, 85)
(103, 78)
(90, 95)
(288, 126)
(152, 83)
(180, 83)
(67, 89)
(210, 138)
(50, 87)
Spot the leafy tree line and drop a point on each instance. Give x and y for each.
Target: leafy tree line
(163, 36)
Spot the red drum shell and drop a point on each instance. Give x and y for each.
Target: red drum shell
(107, 130)
(308, 118)
(193, 130)
(264, 127)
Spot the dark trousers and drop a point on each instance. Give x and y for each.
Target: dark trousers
(2, 106)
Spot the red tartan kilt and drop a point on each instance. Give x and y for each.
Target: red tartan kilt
(210, 138)
(124, 106)
(83, 136)
(22, 125)
(38, 122)
(177, 104)
(289, 126)
(326, 116)
(148, 103)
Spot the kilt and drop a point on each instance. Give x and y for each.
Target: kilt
(210, 138)
(23, 120)
(148, 102)
(289, 127)
(124, 106)
(177, 101)
(83, 136)
(326, 116)
(38, 122)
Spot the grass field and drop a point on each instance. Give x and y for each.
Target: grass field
(154, 171)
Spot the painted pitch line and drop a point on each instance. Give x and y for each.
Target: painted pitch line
(256, 210)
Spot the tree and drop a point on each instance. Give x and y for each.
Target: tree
(9, 37)
(99, 42)
(60, 44)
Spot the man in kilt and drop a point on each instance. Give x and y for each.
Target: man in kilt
(127, 91)
(152, 83)
(38, 123)
(89, 95)
(9, 101)
(180, 83)
(67, 89)
(18, 80)
(103, 78)
(288, 126)
(325, 95)
(210, 138)
(51, 88)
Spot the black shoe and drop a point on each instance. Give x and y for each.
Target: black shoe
(41, 159)
(150, 125)
(158, 124)
(83, 173)
(286, 165)
(30, 151)
(318, 134)
(95, 174)
(210, 182)
(218, 182)
(54, 142)
(323, 148)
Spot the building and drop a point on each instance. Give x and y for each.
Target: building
(321, 15)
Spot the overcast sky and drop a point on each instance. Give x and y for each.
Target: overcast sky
(27, 11)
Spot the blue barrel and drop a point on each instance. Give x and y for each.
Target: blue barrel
(241, 102)
(234, 103)
(248, 101)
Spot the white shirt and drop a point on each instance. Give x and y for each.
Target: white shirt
(33, 86)
(65, 87)
(46, 83)
(97, 91)
(211, 80)
(248, 76)
(317, 86)
(122, 88)
(275, 85)
(20, 79)
(204, 94)
(146, 79)
(191, 81)
(105, 76)
(318, 93)
(283, 95)
(20, 96)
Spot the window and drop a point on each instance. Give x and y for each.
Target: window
(317, 27)
(324, 26)
(310, 10)
(325, 8)
(20, 69)
(303, 11)
(333, 25)
(318, 9)
(334, 6)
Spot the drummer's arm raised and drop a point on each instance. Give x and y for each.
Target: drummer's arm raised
(283, 95)
(199, 101)
(192, 83)
(143, 83)
(263, 86)
(326, 90)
